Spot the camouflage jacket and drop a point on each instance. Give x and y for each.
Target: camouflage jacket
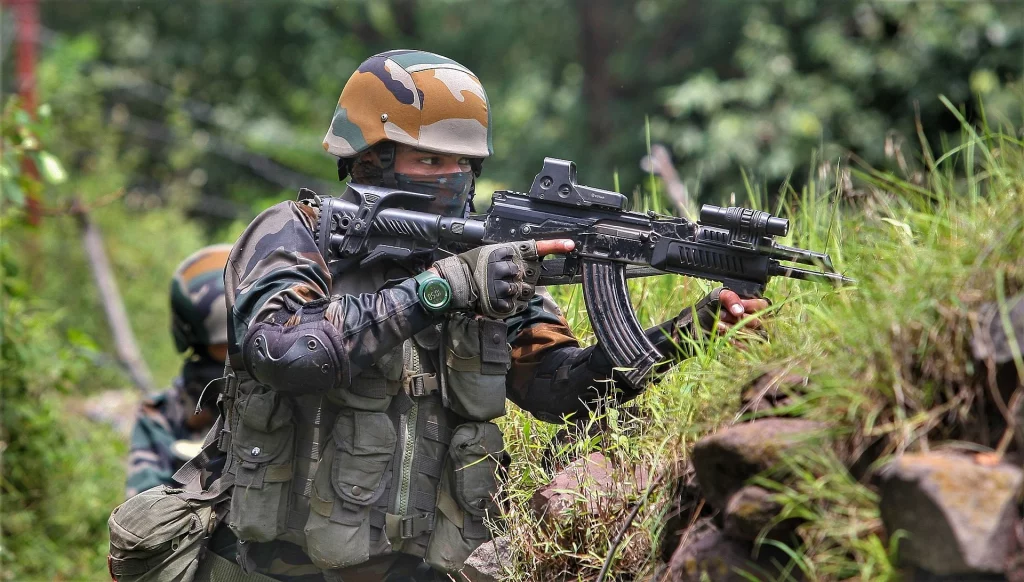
(159, 422)
(275, 268)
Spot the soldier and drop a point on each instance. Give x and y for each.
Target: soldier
(166, 425)
(358, 414)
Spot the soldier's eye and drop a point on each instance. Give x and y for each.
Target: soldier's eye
(429, 161)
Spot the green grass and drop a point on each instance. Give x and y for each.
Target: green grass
(888, 360)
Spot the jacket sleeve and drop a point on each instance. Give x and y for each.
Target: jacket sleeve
(275, 269)
(149, 458)
(553, 377)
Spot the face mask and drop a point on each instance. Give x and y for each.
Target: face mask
(450, 192)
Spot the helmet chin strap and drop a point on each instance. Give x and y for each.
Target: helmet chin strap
(386, 155)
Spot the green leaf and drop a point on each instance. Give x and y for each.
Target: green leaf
(12, 192)
(51, 168)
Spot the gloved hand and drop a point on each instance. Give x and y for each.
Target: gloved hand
(496, 281)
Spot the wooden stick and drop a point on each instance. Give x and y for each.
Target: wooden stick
(124, 340)
(660, 162)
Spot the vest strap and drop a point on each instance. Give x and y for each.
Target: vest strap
(216, 568)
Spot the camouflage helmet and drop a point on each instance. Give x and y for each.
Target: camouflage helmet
(198, 307)
(415, 98)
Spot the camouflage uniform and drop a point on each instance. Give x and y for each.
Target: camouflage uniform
(276, 276)
(159, 423)
(198, 320)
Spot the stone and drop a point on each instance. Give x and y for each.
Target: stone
(489, 562)
(686, 507)
(771, 390)
(752, 510)
(725, 460)
(959, 515)
(990, 340)
(706, 553)
(592, 479)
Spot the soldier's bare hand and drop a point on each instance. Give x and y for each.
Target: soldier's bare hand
(735, 309)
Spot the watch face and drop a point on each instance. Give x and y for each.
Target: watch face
(435, 294)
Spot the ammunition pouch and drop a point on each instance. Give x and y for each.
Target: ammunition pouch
(262, 449)
(465, 495)
(350, 478)
(160, 534)
(477, 358)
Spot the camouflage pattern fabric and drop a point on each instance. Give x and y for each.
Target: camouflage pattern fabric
(275, 268)
(415, 98)
(159, 422)
(198, 314)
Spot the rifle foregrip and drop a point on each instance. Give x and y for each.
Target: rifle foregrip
(615, 324)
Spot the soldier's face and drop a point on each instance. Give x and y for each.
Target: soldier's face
(414, 162)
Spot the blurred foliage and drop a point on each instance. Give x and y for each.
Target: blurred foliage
(842, 77)
(57, 475)
(233, 104)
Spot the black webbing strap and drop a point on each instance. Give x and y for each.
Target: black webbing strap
(216, 568)
(189, 474)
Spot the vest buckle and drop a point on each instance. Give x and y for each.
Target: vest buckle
(416, 525)
(420, 384)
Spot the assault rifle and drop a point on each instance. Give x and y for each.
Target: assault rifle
(733, 245)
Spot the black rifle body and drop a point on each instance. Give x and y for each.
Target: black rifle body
(733, 246)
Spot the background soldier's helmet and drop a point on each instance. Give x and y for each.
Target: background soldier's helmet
(415, 98)
(198, 306)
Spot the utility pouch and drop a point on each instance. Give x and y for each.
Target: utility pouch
(477, 359)
(465, 495)
(262, 449)
(159, 535)
(351, 477)
(373, 388)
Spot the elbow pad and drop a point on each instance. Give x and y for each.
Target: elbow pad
(304, 358)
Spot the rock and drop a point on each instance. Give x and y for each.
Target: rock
(687, 506)
(705, 551)
(959, 515)
(750, 511)
(990, 341)
(726, 460)
(489, 562)
(771, 390)
(592, 479)
(992, 348)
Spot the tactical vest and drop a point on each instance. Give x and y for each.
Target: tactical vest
(404, 460)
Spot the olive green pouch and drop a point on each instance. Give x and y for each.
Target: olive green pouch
(466, 495)
(159, 536)
(350, 478)
(477, 359)
(373, 388)
(262, 450)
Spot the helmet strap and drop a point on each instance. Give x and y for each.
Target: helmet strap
(386, 155)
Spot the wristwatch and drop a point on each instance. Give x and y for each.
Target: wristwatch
(434, 292)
